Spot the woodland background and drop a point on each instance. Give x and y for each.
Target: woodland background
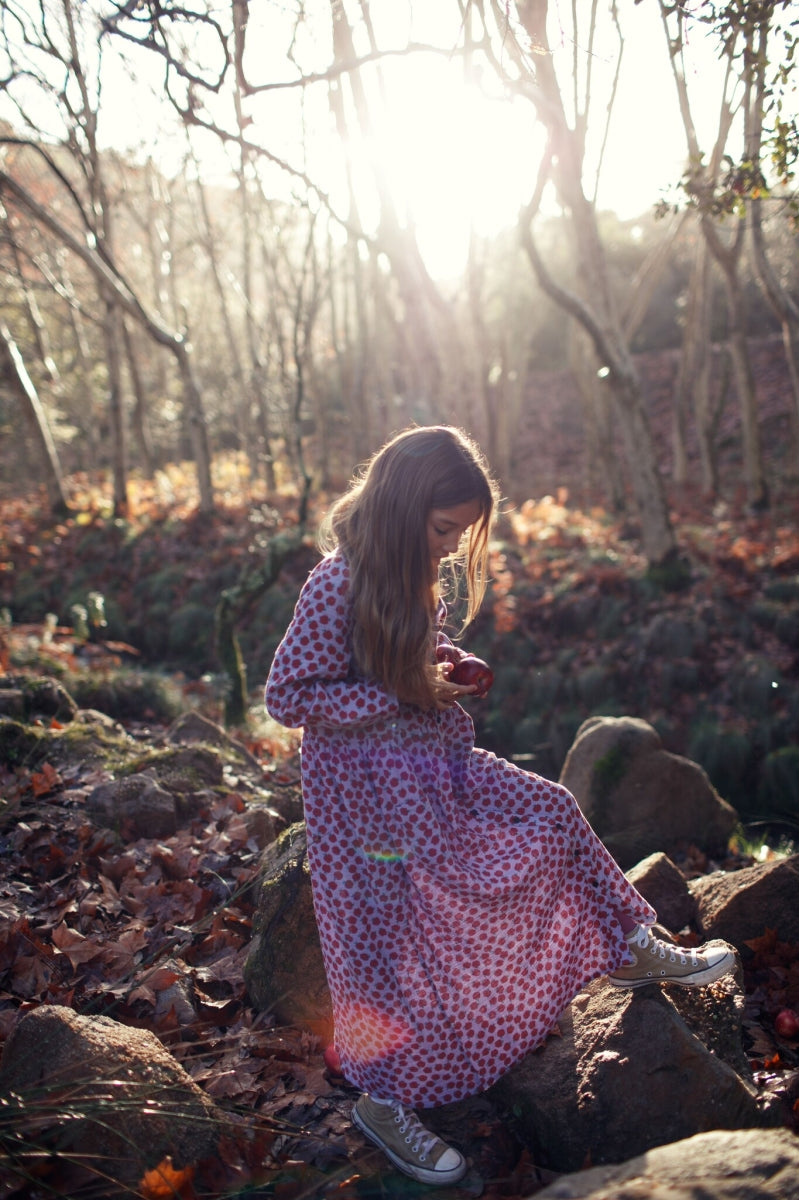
(192, 368)
(192, 362)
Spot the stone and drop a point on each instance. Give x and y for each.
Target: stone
(751, 1164)
(186, 769)
(741, 905)
(628, 1072)
(43, 697)
(284, 972)
(640, 798)
(263, 823)
(192, 728)
(662, 883)
(110, 1095)
(135, 804)
(12, 703)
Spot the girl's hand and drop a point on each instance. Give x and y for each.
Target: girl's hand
(445, 691)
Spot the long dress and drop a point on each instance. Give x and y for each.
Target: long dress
(462, 902)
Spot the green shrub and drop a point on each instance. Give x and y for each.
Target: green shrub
(191, 636)
(129, 695)
(754, 684)
(778, 789)
(728, 757)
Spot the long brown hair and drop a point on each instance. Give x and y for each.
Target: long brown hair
(380, 525)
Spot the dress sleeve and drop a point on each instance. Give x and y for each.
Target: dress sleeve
(311, 679)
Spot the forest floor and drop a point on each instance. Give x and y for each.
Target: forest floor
(288, 1111)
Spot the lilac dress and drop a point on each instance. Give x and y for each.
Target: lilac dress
(462, 902)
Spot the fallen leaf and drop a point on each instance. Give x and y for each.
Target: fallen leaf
(46, 780)
(165, 1182)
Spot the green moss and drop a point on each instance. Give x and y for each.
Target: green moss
(22, 745)
(609, 770)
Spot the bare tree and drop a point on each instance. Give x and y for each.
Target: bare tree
(726, 241)
(597, 313)
(107, 274)
(749, 178)
(14, 373)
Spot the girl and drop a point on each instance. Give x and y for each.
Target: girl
(461, 901)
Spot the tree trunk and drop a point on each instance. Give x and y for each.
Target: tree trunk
(693, 375)
(21, 384)
(604, 468)
(107, 275)
(139, 416)
(782, 303)
(112, 336)
(727, 258)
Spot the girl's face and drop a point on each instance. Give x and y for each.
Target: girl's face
(446, 527)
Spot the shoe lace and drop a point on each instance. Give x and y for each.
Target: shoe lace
(661, 949)
(420, 1139)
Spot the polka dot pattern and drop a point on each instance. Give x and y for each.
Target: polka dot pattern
(461, 901)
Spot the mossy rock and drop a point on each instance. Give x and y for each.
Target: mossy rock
(42, 696)
(129, 695)
(21, 745)
(284, 971)
(185, 769)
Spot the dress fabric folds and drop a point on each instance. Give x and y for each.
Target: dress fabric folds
(462, 902)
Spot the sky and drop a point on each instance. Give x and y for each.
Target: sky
(458, 158)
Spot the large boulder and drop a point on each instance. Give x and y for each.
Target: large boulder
(640, 798)
(631, 1070)
(109, 1097)
(742, 905)
(284, 972)
(746, 1165)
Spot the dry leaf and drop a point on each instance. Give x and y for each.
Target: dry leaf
(165, 1182)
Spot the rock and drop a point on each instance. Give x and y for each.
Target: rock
(639, 798)
(110, 1095)
(746, 1165)
(21, 745)
(43, 697)
(177, 994)
(135, 804)
(263, 824)
(662, 883)
(192, 728)
(12, 703)
(284, 972)
(185, 770)
(741, 905)
(631, 1071)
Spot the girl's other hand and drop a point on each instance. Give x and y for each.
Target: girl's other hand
(445, 691)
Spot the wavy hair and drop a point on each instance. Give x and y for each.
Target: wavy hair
(380, 525)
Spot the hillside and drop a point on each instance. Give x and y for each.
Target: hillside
(574, 624)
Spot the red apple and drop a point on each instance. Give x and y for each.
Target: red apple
(472, 670)
(786, 1023)
(450, 654)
